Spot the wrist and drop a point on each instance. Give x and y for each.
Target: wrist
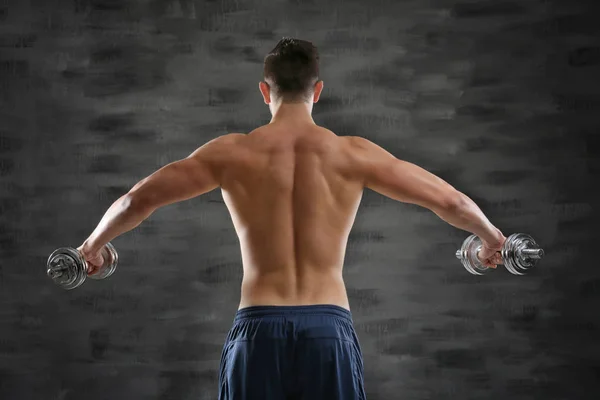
(89, 247)
(496, 240)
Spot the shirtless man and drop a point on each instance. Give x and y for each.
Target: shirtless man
(293, 189)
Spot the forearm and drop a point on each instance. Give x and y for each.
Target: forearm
(466, 215)
(122, 216)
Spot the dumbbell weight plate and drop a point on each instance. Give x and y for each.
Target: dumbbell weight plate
(520, 253)
(468, 255)
(66, 267)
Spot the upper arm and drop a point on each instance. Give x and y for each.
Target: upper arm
(192, 176)
(400, 180)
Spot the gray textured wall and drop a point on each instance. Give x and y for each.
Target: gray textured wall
(500, 98)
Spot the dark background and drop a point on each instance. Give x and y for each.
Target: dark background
(500, 98)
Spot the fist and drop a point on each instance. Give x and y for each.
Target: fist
(490, 255)
(94, 260)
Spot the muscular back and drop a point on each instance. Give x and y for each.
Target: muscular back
(293, 190)
(293, 199)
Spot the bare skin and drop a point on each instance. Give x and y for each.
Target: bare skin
(293, 189)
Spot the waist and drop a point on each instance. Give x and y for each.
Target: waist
(277, 290)
(286, 311)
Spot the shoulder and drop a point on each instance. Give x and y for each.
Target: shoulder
(346, 142)
(366, 155)
(217, 153)
(232, 137)
(358, 142)
(221, 144)
(359, 146)
(218, 150)
(226, 140)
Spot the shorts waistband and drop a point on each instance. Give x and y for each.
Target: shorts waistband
(283, 311)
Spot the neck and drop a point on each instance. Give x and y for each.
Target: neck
(296, 112)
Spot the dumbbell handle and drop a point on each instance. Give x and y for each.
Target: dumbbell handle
(535, 254)
(57, 272)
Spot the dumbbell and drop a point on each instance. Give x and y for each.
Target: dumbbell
(519, 254)
(68, 269)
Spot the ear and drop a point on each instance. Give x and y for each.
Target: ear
(318, 90)
(265, 90)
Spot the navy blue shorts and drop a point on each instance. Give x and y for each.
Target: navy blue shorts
(292, 353)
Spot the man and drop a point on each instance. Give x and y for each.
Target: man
(293, 189)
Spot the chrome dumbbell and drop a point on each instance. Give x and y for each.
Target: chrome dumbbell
(519, 254)
(68, 269)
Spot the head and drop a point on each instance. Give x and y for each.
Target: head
(291, 74)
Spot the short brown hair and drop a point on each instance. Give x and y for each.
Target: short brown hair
(292, 69)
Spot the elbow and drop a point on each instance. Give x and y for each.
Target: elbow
(453, 202)
(136, 203)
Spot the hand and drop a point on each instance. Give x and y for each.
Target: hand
(94, 259)
(490, 255)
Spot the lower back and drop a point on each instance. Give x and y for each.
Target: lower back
(296, 286)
